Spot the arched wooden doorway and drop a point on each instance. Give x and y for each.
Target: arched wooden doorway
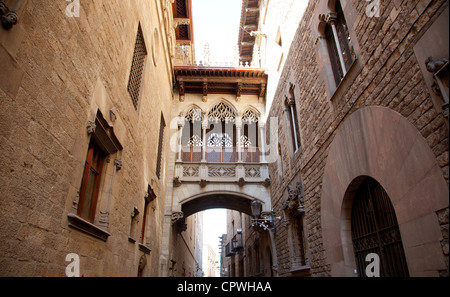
(375, 230)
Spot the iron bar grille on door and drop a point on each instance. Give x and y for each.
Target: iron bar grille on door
(375, 230)
(137, 68)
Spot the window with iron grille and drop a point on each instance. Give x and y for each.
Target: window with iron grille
(137, 69)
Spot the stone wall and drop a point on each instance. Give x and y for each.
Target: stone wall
(387, 73)
(56, 73)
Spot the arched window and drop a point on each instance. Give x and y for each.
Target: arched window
(192, 135)
(375, 230)
(221, 134)
(249, 140)
(340, 48)
(293, 119)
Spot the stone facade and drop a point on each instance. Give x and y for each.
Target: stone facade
(59, 71)
(69, 102)
(383, 120)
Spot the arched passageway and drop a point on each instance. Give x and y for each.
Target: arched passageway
(234, 201)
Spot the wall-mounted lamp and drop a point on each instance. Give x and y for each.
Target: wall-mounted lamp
(267, 222)
(9, 15)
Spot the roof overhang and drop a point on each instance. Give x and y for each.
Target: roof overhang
(249, 22)
(220, 80)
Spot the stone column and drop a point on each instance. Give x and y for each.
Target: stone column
(262, 126)
(180, 137)
(204, 127)
(290, 102)
(332, 16)
(238, 142)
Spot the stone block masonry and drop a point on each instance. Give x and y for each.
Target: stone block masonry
(386, 73)
(56, 73)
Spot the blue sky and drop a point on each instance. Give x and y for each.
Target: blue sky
(216, 22)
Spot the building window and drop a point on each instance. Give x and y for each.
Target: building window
(340, 48)
(192, 136)
(299, 245)
(162, 127)
(90, 183)
(293, 119)
(137, 69)
(103, 146)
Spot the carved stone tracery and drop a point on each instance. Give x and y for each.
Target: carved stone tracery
(222, 112)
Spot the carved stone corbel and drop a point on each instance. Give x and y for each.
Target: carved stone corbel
(91, 127)
(176, 216)
(176, 182)
(300, 197)
(205, 92)
(8, 16)
(203, 183)
(142, 263)
(439, 69)
(181, 89)
(118, 164)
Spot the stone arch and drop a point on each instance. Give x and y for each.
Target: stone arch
(186, 196)
(218, 199)
(186, 111)
(250, 111)
(380, 143)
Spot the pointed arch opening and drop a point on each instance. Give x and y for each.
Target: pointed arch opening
(192, 135)
(221, 133)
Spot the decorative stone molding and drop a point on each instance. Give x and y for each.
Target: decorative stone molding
(203, 183)
(439, 69)
(113, 114)
(91, 127)
(295, 198)
(87, 227)
(150, 194)
(181, 21)
(135, 213)
(142, 263)
(176, 216)
(9, 15)
(118, 164)
(177, 182)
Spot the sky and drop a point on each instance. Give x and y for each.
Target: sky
(216, 22)
(214, 225)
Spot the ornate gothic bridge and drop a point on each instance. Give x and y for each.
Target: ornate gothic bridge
(220, 159)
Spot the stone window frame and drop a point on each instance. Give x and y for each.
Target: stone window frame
(102, 135)
(160, 153)
(323, 15)
(292, 121)
(294, 218)
(144, 238)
